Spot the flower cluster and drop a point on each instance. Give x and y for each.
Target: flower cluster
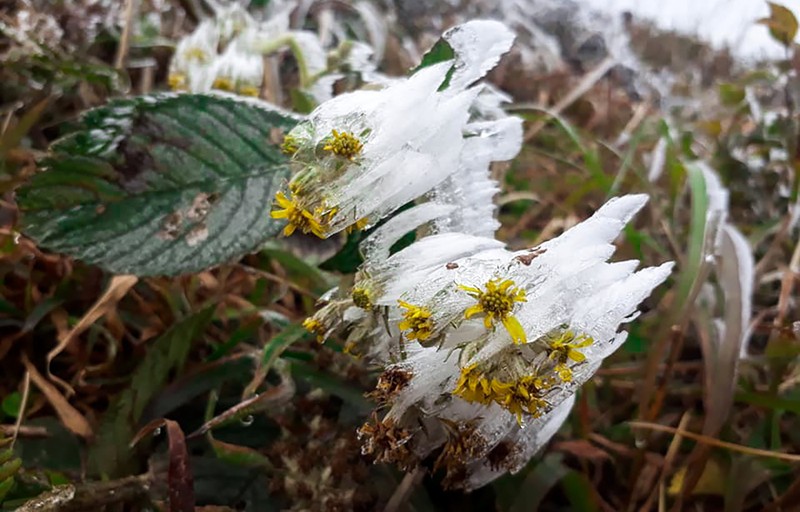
(362, 155)
(215, 57)
(492, 341)
(226, 53)
(482, 348)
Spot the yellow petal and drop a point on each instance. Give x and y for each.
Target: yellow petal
(515, 329)
(470, 289)
(289, 229)
(473, 310)
(576, 356)
(282, 200)
(279, 214)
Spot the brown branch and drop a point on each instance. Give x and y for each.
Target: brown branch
(91, 495)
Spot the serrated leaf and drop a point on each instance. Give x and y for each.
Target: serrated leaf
(161, 184)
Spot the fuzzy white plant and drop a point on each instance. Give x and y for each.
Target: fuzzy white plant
(226, 53)
(484, 347)
(364, 154)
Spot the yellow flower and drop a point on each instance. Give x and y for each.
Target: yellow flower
(351, 349)
(249, 90)
(223, 84)
(563, 348)
(297, 216)
(362, 298)
(522, 395)
(197, 54)
(290, 147)
(315, 327)
(563, 371)
(343, 144)
(177, 81)
(358, 225)
(418, 320)
(497, 302)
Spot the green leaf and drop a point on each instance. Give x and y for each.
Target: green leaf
(538, 482)
(110, 455)
(9, 465)
(280, 342)
(731, 95)
(12, 403)
(161, 184)
(333, 385)
(441, 52)
(578, 491)
(697, 233)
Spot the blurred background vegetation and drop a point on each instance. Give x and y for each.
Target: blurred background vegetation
(265, 418)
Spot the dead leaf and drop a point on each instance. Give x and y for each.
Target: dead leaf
(117, 289)
(782, 24)
(583, 450)
(69, 416)
(181, 482)
(711, 482)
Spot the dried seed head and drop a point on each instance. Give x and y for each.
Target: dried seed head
(390, 383)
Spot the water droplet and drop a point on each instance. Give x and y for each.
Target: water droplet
(17, 237)
(157, 431)
(248, 420)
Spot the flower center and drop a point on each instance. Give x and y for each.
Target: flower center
(289, 145)
(296, 216)
(362, 299)
(197, 54)
(416, 319)
(520, 395)
(223, 83)
(343, 144)
(314, 326)
(177, 81)
(497, 302)
(563, 348)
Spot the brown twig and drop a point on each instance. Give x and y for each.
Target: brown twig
(26, 391)
(788, 457)
(91, 496)
(125, 38)
(403, 490)
(579, 90)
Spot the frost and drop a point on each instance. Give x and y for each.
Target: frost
(478, 46)
(571, 293)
